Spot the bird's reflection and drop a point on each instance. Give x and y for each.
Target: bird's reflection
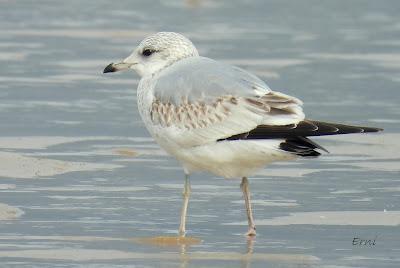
(250, 244)
(246, 260)
(184, 256)
(183, 244)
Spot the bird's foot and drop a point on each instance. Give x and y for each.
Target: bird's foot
(251, 232)
(181, 233)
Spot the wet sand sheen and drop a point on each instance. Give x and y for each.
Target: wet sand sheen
(361, 218)
(63, 122)
(15, 165)
(9, 213)
(92, 254)
(167, 240)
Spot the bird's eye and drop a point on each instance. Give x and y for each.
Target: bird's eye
(147, 52)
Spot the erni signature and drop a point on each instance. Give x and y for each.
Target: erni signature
(364, 242)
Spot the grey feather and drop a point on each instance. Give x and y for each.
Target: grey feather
(200, 79)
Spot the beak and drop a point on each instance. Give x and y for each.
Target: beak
(115, 67)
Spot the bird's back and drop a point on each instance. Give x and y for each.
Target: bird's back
(197, 79)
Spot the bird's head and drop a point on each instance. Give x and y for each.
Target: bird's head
(155, 53)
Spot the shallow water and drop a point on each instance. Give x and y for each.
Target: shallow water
(83, 184)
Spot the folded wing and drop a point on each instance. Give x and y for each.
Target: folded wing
(198, 101)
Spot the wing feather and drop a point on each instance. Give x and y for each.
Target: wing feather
(226, 117)
(198, 100)
(305, 128)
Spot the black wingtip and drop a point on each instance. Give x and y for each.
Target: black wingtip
(109, 68)
(301, 146)
(310, 142)
(324, 128)
(371, 129)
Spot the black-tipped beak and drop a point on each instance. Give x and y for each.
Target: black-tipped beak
(110, 68)
(115, 67)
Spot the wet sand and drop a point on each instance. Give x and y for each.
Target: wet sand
(83, 185)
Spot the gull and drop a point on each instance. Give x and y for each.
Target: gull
(216, 117)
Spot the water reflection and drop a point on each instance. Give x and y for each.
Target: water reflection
(246, 262)
(186, 254)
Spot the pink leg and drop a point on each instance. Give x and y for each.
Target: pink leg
(186, 194)
(246, 194)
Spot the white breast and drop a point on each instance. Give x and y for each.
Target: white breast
(145, 97)
(163, 136)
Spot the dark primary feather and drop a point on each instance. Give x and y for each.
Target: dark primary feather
(301, 146)
(295, 135)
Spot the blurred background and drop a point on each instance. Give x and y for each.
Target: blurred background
(81, 179)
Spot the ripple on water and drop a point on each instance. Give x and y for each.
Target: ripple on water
(361, 218)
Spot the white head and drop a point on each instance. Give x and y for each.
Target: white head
(155, 53)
